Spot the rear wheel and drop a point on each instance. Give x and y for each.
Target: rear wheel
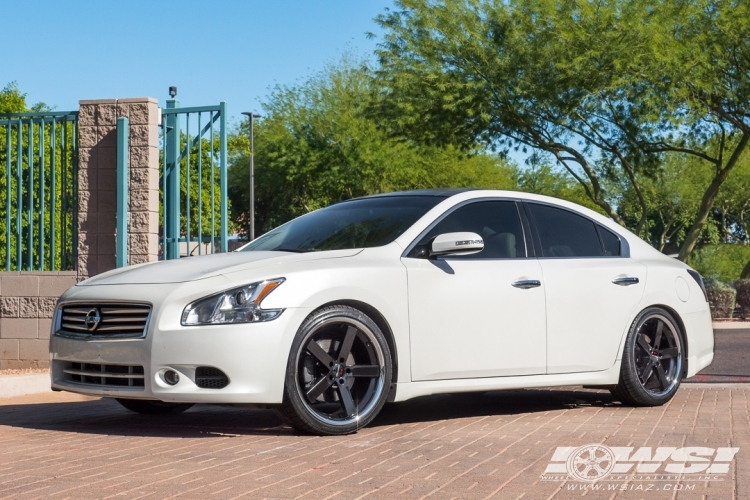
(652, 362)
(338, 373)
(149, 407)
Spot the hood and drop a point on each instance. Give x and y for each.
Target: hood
(205, 266)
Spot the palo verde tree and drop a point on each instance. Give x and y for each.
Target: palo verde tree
(607, 88)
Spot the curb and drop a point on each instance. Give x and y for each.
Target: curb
(731, 325)
(24, 384)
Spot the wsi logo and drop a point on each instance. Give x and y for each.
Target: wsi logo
(596, 462)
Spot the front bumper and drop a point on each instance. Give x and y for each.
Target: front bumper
(253, 356)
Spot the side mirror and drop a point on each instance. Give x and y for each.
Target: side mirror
(456, 244)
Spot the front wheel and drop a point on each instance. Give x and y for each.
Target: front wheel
(338, 373)
(149, 407)
(652, 362)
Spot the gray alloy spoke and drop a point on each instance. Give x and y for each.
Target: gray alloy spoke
(346, 346)
(317, 351)
(663, 382)
(646, 373)
(643, 344)
(319, 388)
(657, 340)
(346, 400)
(671, 352)
(369, 371)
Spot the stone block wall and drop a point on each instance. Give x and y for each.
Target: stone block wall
(28, 299)
(97, 182)
(27, 302)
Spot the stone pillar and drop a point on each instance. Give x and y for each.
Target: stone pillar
(97, 182)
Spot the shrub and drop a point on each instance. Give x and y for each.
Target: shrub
(743, 297)
(721, 298)
(723, 262)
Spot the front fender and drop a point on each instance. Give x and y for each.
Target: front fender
(379, 283)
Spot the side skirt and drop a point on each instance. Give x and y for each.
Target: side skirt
(416, 389)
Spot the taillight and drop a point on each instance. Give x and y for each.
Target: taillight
(699, 279)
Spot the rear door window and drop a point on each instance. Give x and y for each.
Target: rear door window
(564, 234)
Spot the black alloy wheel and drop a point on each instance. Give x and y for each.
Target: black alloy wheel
(338, 374)
(652, 363)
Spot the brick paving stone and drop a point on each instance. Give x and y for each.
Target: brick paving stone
(467, 446)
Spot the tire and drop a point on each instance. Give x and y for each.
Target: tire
(652, 360)
(149, 407)
(338, 373)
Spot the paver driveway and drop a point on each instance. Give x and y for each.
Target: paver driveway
(493, 445)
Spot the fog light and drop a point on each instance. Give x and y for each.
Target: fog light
(171, 377)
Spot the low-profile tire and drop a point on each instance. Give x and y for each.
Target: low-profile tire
(338, 373)
(652, 360)
(149, 407)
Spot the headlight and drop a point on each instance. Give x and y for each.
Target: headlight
(238, 305)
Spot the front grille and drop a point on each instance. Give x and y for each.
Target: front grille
(94, 374)
(97, 321)
(208, 377)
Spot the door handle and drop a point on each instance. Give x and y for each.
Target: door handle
(526, 284)
(626, 280)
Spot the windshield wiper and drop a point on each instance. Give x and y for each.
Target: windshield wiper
(293, 250)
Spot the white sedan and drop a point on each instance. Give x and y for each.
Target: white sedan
(386, 298)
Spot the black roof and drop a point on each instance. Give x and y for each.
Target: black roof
(441, 193)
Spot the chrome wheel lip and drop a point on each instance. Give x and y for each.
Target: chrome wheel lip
(675, 368)
(380, 384)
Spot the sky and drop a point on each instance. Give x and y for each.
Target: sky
(60, 52)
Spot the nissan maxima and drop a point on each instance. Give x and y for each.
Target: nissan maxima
(387, 298)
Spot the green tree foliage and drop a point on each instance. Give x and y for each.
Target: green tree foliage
(672, 197)
(542, 177)
(732, 208)
(606, 88)
(315, 147)
(12, 100)
(200, 212)
(723, 262)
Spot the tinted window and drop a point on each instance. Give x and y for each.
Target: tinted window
(610, 241)
(496, 222)
(363, 223)
(564, 234)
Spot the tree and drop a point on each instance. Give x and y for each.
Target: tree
(732, 207)
(12, 100)
(709, 92)
(315, 147)
(672, 198)
(606, 86)
(541, 177)
(203, 188)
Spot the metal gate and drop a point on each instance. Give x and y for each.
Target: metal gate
(39, 190)
(193, 180)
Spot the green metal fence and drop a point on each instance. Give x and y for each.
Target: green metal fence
(38, 191)
(194, 180)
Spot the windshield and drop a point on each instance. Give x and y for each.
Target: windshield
(363, 223)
